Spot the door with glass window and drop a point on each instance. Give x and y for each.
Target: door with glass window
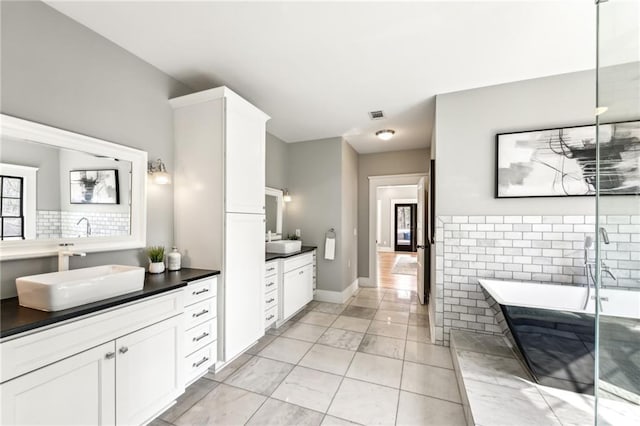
(405, 227)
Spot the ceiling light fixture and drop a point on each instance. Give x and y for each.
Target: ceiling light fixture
(385, 134)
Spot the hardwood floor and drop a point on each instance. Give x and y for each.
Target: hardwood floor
(386, 279)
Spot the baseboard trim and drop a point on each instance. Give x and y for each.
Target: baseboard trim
(385, 249)
(364, 282)
(336, 296)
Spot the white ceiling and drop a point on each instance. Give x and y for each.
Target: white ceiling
(317, 68)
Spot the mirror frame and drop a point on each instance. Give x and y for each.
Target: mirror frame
(280, 200)
(40, 133)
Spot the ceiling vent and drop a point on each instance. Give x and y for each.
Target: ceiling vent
(376, 115)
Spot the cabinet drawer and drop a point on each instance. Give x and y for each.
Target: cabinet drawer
(199, 362)
(270, 316)
(200, 290)
(270, 283)
(270, 300)
(271, 268)
(199, 336)
(200, 312)
(298, 262)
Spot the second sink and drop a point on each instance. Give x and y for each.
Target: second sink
(284, 246)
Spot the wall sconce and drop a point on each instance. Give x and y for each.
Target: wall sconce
(158, 172)
(286, 196)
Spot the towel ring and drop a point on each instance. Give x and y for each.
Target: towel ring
(331, 233)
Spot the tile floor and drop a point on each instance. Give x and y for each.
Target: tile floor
(364, 362)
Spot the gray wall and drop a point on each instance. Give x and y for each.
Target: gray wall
(349, 212)
(57, 72)
(315, 188)
(466, 126)
(277, 156)
(386, 163)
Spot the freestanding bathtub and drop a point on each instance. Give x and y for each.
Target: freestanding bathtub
(555, 335)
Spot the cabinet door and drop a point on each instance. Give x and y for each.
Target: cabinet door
(243, 282)
(297, 289)
(79, 390)
(150, 370)
(245, 158)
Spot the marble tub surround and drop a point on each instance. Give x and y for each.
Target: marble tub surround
(496, 389)
(326, 367)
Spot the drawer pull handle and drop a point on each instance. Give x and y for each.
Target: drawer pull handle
(124, 350)
(110, 355)
(202, 336)
(199, 363)
(270, 317)
(204, 290)
(271, 269)
(199, 314)
(301, 272)
(271, 300)
(270, 284)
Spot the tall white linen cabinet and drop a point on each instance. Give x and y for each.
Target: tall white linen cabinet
(219, 207)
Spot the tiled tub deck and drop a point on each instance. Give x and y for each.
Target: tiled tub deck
(497, 390)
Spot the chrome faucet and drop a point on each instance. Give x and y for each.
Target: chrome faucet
(605, 269)
(64, 253)
(88, 225)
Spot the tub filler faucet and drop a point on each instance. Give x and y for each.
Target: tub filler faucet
(604, 268)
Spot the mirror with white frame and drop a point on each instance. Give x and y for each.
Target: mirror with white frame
(273, 201)
(61, 187)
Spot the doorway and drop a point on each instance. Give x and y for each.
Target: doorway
(405, 227)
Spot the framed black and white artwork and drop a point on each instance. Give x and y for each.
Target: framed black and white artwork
(562, 162)
(94, 187)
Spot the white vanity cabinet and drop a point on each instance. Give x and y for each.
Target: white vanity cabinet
(79, 390)
(124, 366)
(219, 206)
(288, 286)
(271, 280)
(297, 283)
(201, 328)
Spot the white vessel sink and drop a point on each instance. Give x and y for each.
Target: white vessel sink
(284, 246)
(66, 289)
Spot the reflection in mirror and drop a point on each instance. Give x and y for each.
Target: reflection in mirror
(273, 213)
(59, 187)
(271, 204)
(50, 192)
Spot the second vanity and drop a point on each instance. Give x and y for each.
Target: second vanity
(122, 360)
(290, 281)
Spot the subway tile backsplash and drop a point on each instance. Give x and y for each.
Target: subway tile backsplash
(64, 224)
(521, 248)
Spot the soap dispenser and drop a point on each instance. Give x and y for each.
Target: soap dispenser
(174, 259)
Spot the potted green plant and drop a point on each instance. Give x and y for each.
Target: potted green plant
(156, 259)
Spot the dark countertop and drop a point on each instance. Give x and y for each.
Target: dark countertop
(272, 256)
(15, 319)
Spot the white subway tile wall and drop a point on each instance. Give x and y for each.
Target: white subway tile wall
(56, 224)
(521, 248)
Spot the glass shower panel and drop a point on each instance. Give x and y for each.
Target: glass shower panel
(618, 207)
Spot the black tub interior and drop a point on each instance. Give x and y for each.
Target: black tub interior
(558, 347)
